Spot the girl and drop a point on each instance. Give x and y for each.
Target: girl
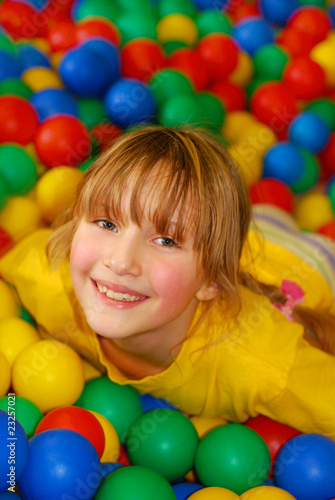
(159, 278)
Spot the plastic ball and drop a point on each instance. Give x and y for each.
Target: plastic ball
(53, 102)
(15, 335)
(327, 158)
(212, 109)
(109, 52)
(272, 192)
(164, 440)
(6, 242)
(184, 490)
(137, 482)
(213, 493)
(240, 453)
(10, 66)
(249, 161)
(278, 11)
(121, 405)
(274, 104)
(328, 230)
(18, 169)
(41, 78)
(219, 53)
(177, 27)
(331, 192)
(189, 62)
(296, 43)
(26, 413)
(244, 71)
(313, 210)
(129, 102)
(8, 304)
(310, 175)
(322, 54)
(31, 56)
(95, 8)
(231, 95)
(75, 419)
(167, 83)
(266, 493)
(305, 467)
(8, 495)
(284, 162)
(235, 122)
(166, 7)
(105, 134)
(205, 424)
(252, 33)
(91, 111)
(68, 463)
(38, 374)
(210, 4)
(18, 19)
(305, 78)
(180, 110)
(309, 131)
(62, 140)
(112, 443)
(325, 109)
(18, 120)
(5, 376)
(20, 217)
(136, 25)
(14, 86)
(257, 138)
(14, 448)
(213, 21)
(140, 58)
(7, 45)
(311, 20)
(97, 27)
(62, 37)
(270, 61)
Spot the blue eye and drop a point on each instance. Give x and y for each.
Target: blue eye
(167, 242)
(106, 224)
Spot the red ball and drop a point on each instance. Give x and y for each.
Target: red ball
(306, 78)
(272, 192)
(328, 230)
(123, 457)
(62, 36)
(18, 120)
(6, 242)
(240, 10)
(189, 62)
(19, 20)
(311, 20)
(140, 58)
(327, 158)
(219, 53)
(297, 43)
(275, 105)
(274, 433)
(105, 134)
(62, 140)
(232, 96)
(78, 420)
(97, 27)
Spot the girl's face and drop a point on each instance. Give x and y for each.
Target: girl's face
(131, 280)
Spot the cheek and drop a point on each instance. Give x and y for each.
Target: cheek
(81, 257)
(175, 282)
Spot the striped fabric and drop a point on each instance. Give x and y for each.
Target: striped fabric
(280, 228)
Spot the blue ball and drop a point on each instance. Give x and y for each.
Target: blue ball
(310, 131)
(210, 4)
(85, 73)
(129, 102)
(278, 11)
(52, 102)
(61, 464)
(184, 490)
(7, 495)
(14, 449)
(10, 66)
(149, 403)
(252, 33)
(32, 57)
(269, 482)
(305, 467)
(107, 468)
(283, 162)
(110, 53)
(37, 5)
(331, 14)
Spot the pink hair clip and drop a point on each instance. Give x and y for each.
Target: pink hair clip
(294, 294)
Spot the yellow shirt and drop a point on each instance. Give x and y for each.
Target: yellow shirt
(263, 366)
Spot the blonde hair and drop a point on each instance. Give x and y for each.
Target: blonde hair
(192, 166)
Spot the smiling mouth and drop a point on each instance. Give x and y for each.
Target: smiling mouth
(120, 297)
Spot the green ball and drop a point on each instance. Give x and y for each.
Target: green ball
(6, 45)
(164, 440)
(87, 163)
(120, 404)
(167, 7)
(331, 194)
(212, 109)
(26, 316)
(136, 25)
(167, 83)
(101, 8)
(135, 482)
(92, 112)
(18, 169)
(139, 6)
(232, 456)
(316, 3)
(270, 61)
(180, 110)
(173, 45)
(213, 21)
(26, 413)
(14, 86)
(325, 109)
(310, 175)
(4, 192)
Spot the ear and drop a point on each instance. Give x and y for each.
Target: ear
(207, 291)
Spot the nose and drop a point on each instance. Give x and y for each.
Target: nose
(123, 255)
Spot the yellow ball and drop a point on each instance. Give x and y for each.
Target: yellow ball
(15, 335)
(214, 493)
(41, 44)
(20, 217)
(8, 304)
(313, 210)
(235, 123)
(112, 443)
(41, 78)
(177, 27)
(4, 375)
(205, 424)
(249, 161)
(90, 372)
(266, 493)
(257, 136)
(56, 190)
(244, 70)
(323, 54)
(48, 373)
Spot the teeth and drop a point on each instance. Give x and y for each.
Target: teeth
(118, 296)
